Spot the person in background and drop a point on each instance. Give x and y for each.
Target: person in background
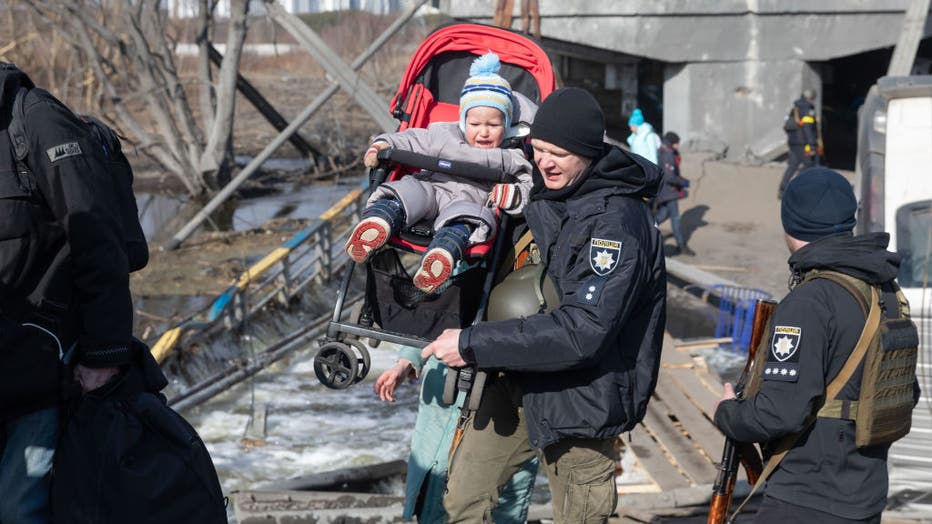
(643, 140)
(672, 190)
(802, 137)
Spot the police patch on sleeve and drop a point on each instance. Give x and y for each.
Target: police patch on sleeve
(783, 358)
(604, 255)
(63, 151)
(590, 290)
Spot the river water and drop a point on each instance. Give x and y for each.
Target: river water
(309, 428)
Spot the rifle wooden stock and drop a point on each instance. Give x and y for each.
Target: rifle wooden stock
(724, 485)
(733, 452)
(763, 310)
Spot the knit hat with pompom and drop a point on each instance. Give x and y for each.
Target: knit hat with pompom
(484, 88)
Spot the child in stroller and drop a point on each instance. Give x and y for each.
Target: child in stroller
(461, 210)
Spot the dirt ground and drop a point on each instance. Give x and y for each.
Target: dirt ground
(731, 219)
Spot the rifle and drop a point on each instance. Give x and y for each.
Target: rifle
(469, 380)
(743, 452)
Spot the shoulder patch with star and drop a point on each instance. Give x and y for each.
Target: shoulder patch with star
(783, 357)
(604, 255)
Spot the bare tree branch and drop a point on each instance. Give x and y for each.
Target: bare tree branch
(207, 98)
(128, 62)
(222, 128)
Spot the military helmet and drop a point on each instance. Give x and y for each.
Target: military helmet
(524, 292)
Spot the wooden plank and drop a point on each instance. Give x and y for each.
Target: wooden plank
(653, 460)
(697, 425)
(702, 343)
(707, 267)
(685, 454)
(672, 357)
(689, 273)
(695, 383)
(695, 389)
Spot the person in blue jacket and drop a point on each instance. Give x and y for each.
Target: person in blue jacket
(643, 140)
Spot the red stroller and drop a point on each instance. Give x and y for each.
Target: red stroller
(393, 310)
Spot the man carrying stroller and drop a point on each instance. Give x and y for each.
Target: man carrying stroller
(577, 377)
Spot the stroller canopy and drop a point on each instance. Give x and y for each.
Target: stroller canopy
(431, 84)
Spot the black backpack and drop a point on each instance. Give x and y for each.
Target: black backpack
(119, 168)
(791, 120)
(124, 456)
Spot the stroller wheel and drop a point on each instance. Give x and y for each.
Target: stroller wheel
(364, 363)
(337, 365)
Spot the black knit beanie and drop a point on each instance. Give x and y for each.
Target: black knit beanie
(818, 202)
(572, 119)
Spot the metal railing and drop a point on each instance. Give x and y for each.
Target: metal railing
(314, 254)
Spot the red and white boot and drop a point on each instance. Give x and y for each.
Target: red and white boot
(436, 268)
(366, 238)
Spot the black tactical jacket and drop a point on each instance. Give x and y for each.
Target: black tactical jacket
(673, 183)
(62, 261)
(806, 133)
(815, 328)
(588, 368)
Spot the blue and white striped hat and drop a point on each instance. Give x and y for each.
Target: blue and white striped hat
(484, 88)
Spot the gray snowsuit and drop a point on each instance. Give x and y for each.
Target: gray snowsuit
(447, 198)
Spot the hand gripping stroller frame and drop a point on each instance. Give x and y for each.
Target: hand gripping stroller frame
(343, 360)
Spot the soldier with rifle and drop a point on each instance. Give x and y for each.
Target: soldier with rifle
(812, 395)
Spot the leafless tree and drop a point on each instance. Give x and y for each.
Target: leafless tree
(128, 53)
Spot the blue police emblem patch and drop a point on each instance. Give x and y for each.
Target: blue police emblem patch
(604, 255)
(783, 358)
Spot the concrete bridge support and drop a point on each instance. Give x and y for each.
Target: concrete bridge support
(733, 67)
(735, 108)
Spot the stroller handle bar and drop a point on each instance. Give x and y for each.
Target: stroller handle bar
(449, 167)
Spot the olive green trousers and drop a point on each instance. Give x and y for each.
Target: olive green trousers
(495, 445)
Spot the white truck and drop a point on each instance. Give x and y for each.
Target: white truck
(894, 175)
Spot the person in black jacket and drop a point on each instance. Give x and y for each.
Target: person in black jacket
(580, 375)
(824, 477)
(64, 283)
(802, 137)
(671, 191)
